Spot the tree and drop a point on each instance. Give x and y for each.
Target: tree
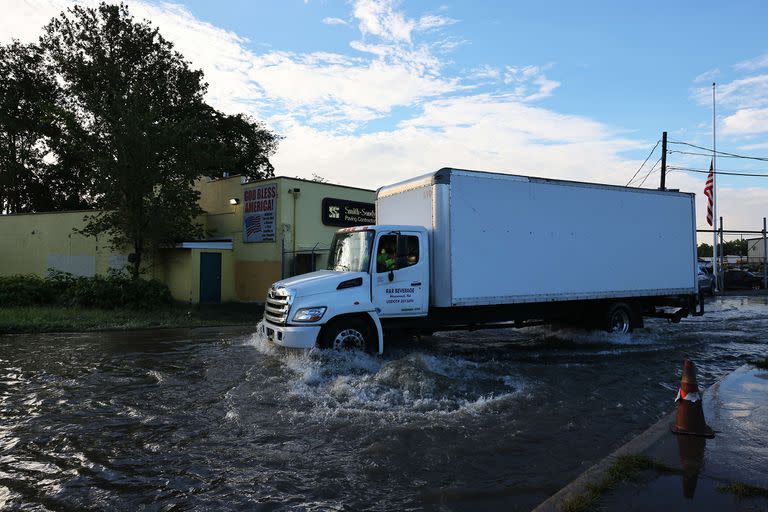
(736, 247)
(704, 250)
(239, 145)
(38, 170)
(141, 129)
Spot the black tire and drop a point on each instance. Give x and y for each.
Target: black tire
(348, 334)
(619, 318)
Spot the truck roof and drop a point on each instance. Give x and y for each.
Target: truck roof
(382, 227)
(443, 176)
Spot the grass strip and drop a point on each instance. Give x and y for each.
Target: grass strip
(626, 468)
(742, 490)
(35, 319)
(761, 363)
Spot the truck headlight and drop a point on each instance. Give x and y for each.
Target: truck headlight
(309, 314)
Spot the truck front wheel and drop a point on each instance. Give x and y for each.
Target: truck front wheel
(618, 318)
(347, 334)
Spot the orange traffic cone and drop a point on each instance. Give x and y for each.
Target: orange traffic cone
(690, 412)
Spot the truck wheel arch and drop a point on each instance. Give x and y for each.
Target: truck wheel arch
(370, 319)
(631, 311)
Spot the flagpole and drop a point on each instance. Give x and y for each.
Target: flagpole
(714, 191)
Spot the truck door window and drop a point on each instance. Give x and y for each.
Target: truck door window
(412, 251)
(385, 253)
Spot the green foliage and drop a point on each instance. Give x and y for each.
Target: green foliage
(626, 468)
(78, 319)
(105, 114)
(25, 291)
(704, 251)
(733, 247)
(742, 490)
(135, 130)
(37, 170)
(737, 247)
(113, 291)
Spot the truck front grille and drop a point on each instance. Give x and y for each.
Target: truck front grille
(277, 306)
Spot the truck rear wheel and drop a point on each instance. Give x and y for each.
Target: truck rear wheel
(618, 318)
(347, 334)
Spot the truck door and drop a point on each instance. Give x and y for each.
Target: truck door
(401, 274)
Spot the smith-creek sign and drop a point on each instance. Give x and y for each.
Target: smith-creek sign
(343, 213)
(259, 213)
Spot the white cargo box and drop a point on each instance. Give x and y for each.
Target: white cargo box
(504, 239)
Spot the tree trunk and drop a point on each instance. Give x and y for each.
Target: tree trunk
(136, 263)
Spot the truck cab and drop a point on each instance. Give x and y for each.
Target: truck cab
(374, 273)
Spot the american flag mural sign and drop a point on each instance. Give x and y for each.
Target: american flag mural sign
(259, 212)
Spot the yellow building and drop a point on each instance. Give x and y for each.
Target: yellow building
(257, 232)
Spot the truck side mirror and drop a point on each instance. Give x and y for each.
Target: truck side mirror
(391, 275)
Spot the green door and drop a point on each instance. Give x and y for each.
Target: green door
(210, 277)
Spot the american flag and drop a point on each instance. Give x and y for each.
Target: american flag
(253, 225)
(708, 191)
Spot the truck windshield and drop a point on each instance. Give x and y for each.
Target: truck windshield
(351, 252)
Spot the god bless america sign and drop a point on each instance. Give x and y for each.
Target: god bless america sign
(259, 213)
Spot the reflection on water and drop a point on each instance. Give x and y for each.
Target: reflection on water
(213, 418)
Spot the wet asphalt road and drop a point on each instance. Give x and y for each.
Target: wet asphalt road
(218, 418)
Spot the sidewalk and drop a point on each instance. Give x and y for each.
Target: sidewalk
(690, 471)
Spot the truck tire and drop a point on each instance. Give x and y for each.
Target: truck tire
(619, 318)
(347, 334)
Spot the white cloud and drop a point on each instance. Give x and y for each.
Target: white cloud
(432, 21)
(334, 21)
(745, 100)
(745, 121)
(746, 92)
(484, 72)
(319, 100)
(741, 208)
(753, 147)
(530, 83)
(481, 131)
(379, 18)
(752, 64)
(707, 76)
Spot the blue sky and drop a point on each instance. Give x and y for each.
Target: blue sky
(368, 92)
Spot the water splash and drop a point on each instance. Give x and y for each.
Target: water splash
(402, 386)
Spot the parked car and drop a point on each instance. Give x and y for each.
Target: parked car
(736, 279)
(706, 280)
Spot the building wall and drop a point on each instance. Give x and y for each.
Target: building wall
(176, 270)
(33, 243)
(756, 248)
(257, 265)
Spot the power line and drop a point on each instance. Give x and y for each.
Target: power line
(728, 173)
(731, 155)
(649, 172)
(644, 162)
(698, 154)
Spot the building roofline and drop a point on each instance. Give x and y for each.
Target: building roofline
(251, 182)
(52, 212)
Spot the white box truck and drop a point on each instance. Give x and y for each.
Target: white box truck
(459, 249)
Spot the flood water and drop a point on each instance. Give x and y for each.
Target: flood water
(220, 419)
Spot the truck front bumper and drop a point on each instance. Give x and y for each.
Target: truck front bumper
(304, 336)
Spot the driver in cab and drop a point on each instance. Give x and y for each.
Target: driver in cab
(386, 257)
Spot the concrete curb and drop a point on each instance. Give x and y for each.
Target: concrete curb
(595, 474)
(638, 444)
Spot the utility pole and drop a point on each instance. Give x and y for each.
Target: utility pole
(765, 257)
(663, 160)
